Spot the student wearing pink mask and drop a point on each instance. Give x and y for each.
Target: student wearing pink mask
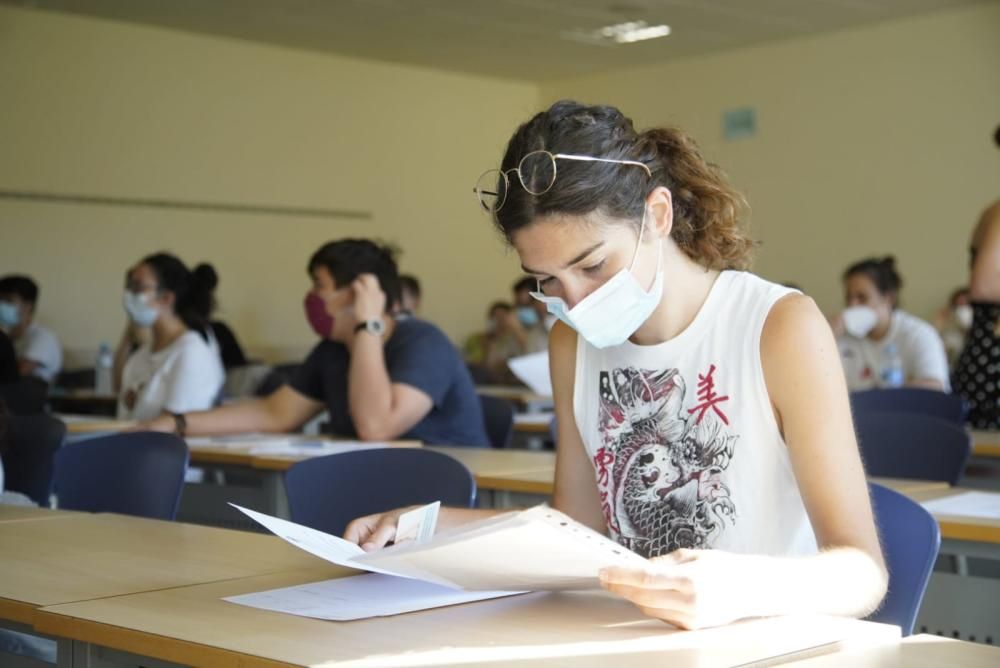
(703, 415)
(378, 377)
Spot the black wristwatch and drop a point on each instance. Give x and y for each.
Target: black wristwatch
(376, 327)
(180, 424)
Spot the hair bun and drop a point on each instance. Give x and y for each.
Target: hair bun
(889, 262)
(205, 275)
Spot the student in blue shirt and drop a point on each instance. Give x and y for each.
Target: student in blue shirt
(379, 378)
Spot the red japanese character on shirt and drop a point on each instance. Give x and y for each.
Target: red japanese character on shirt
(708, 398)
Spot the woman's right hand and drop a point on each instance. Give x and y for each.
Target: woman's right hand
(373, 532)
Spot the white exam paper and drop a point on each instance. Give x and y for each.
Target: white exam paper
(533, 371)
(360, 597)
(973, 504)
(539, 549)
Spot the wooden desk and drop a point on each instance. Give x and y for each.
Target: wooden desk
(92, 424)
(906, 486)
(986, 443)
(521, 396)
(80, 557)
(192, 625)
(84, 401)
(954, 527)
(533, 423)
(920, 651)
(24, 513)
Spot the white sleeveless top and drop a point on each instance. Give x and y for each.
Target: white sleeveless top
(682, 435)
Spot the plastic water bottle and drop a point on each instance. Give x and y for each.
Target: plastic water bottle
(102, 370)
(892, 367)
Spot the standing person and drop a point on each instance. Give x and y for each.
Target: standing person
(686, 389)
(38, 351)
(167, 361)
(977, 371)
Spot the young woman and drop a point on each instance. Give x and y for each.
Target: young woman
(880, 344)
(167, 360)
(703, 414)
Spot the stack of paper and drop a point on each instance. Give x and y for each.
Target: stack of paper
(972, 504)
(535, 549)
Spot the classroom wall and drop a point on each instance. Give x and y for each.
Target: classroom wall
(870, 141)
(96, 107)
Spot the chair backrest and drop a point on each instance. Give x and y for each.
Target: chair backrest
(932, 403)
(326, 493)
(905, 445)
(140, 473)
(25, 396)
(499, 417)
(28, 463)
(910, 541)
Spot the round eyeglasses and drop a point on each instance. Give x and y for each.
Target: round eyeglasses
(536, 172)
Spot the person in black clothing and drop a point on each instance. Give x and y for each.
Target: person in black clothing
(8, 359)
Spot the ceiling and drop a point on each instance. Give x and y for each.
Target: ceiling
(517, 39)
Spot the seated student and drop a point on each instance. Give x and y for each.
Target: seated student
(977, 371)
(8, 359)
(953, 322)
(880, 344)
(378, 377)
(491, 348)
(229, 347)
(38, 350)
(409, 297)
(533, 322)
(687, 391)
(167, 360)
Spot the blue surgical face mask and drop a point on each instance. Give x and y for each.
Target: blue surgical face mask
(613, 312)
(138, 309)
(527, 315)
(10, 316)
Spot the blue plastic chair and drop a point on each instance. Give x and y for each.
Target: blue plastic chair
(326, 493)
(139, 473)
(931, 403)
(910, 542)
(498, 415)
(33, 441)
(905, 445)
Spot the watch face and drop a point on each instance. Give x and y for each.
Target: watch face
(376, 327)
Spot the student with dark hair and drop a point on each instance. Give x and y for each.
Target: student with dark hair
(167, 360)
(977, 371)
(229, 346)
(686, 390)
(378, 377)
(38, 350)
(409, 296)
(880, 344)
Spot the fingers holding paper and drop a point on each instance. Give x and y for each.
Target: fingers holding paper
(690, 589)
(373, 532)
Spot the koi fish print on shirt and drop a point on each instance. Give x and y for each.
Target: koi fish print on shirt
(660, 467)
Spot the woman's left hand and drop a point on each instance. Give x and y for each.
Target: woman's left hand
(692, 589)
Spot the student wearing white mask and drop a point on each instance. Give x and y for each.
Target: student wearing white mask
(38, 350)
(167, 361)
(703, 415)
(880, 344)
(953, 322)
